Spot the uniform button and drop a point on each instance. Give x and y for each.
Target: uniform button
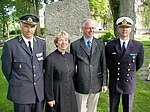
(33, 66)
(128, 69)
(127, 80)
(34, 83)
(128, 74)
(117, 78)
(20, 66)
(118, 73)
(118, 63)
(34, 75)
(118, 68)
(129, 64)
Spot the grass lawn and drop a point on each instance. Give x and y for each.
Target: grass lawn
(141, 97)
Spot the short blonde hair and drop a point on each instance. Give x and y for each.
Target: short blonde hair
(62, 34)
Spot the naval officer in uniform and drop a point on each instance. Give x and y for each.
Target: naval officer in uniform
(22, 65)
(124, 58)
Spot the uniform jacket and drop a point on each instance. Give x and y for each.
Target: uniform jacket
(90, 70)
(123, 69)
(23, 70)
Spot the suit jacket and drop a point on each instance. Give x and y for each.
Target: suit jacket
(90, 70)
(123, 69)
(24, 70)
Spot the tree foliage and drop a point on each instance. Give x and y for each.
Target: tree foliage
(146, 13)
(10, 11)
(100, 11)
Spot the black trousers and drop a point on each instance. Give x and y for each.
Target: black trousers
(127, 102)
(36, 107)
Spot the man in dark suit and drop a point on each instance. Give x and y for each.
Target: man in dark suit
(91, 76)
(124, 57)
(22, 65)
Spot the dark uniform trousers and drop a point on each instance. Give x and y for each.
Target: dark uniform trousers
(127, 102)
(122, 70)
(37, 107)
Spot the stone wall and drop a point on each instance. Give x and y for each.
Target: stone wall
(64, 15)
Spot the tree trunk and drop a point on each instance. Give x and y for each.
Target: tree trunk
(121, 8)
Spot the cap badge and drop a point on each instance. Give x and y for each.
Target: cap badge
(30, 19)
(124, 22)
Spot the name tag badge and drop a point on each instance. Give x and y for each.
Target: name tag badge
(41, 58)
(39, 54)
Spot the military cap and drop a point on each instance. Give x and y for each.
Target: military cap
(124, 21)
(29, 19)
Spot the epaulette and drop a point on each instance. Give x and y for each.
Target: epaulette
(40, 38)
(9, 39)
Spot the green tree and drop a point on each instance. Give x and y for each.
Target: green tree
(6, 8)
(146, 13)
(100, 11)
(10, 10)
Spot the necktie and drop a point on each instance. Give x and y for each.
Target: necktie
(123, 49)
(30, 46)
(89, 47)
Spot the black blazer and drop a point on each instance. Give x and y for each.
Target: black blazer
(123, 69)
(90, 70)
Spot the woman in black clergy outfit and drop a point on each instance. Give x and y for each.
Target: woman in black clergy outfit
(59, 87)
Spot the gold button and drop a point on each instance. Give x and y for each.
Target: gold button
(128, 69)
(118, 74)
(118, 68)
(129, 64)
(118, 63)
(127, 80)
(128, 74)
(117, 78)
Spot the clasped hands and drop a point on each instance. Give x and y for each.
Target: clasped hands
(51, 103)
(104, 89)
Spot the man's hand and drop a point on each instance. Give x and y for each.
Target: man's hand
(51, 103)
(104, 89)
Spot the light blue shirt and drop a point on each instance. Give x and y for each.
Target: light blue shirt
(86, 40)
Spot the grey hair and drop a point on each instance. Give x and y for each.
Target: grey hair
(85, 21)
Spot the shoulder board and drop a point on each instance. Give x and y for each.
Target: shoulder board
(9, 39)
(40, 38)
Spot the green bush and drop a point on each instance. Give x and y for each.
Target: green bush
(108, 36)
(13, 32)
(18, 31)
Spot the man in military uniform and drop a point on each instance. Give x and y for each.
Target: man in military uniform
(22, 65)
(124, 57)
